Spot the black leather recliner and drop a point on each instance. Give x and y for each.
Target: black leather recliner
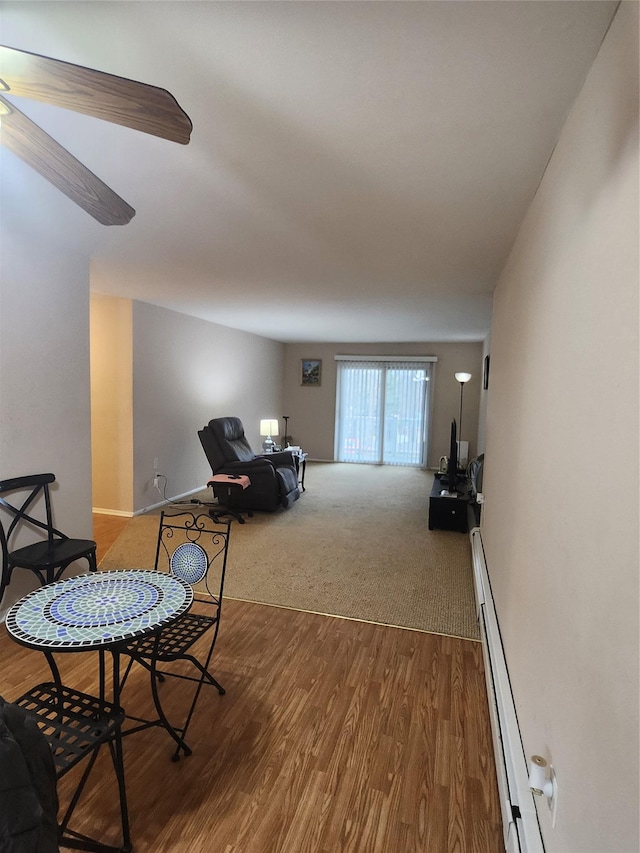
(274, 477)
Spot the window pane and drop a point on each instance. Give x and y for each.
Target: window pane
(359, 432)
(404, 417)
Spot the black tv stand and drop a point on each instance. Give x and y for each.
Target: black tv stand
(448, 507)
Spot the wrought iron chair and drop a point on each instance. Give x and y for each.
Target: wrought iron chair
(29, 506)
(76, 725)
(193, 547)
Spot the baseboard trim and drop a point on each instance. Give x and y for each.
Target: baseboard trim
(120, 513)
(521, 830)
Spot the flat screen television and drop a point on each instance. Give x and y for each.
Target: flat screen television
(451, 477)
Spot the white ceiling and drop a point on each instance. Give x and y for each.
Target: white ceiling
(357, 171)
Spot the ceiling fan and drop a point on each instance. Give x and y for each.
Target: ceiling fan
(84, 90)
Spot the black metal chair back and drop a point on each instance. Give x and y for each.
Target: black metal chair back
(194, 547)
(27, 505)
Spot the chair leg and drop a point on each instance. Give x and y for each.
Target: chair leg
(181, 744)
(216, 515)
(117, 755)
(75, 840)
(217, 511)
(206, 675)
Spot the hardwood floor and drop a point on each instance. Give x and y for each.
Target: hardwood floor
(106, 529)
(334, 736)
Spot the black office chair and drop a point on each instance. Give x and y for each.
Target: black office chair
(75, 726)
(193, 547)
(29, 507)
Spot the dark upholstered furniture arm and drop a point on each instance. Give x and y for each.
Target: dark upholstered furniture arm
(280, 459)
(261, 473)
(256, 464)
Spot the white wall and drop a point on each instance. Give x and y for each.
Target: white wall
(560, 523)
(313, 410)
(44, 376)
(185, 372)
(112, 403)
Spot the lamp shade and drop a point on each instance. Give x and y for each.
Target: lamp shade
(463, 377)
(269, 426)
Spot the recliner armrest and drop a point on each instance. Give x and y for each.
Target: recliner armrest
(252, 465)
(280, 458)
(262, 474)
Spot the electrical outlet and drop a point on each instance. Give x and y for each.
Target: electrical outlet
(552, 801)
(156, 482)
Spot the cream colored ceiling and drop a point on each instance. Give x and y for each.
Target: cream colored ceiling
(357, 171)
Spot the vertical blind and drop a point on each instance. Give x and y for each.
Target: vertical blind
(382, 409)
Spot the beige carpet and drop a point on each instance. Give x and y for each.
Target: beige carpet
(356, 544)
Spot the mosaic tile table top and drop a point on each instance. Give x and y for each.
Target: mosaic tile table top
(98, 610)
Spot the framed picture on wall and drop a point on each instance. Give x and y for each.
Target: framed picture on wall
(310, 371)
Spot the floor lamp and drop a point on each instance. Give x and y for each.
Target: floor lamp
(462, 378)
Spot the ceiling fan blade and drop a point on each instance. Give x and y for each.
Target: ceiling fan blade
(29, 142)
(95, 93)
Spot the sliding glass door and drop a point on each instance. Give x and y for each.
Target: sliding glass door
(382, 411)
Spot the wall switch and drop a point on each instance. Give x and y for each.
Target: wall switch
(155, 463)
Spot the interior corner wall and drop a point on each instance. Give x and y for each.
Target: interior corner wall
(112, 404)
(312, 410)
(187, 371)
(44, 376)
(561, 515)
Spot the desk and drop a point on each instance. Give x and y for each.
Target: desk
(100, 612)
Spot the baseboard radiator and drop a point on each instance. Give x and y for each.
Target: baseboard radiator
(520, 821)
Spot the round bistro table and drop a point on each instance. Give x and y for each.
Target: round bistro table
(97, 611)
(102, 612)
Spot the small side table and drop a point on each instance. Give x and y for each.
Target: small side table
(447, 512)
(302, 468)
(301, 463)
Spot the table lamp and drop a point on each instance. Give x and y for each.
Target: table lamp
(269, 427)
